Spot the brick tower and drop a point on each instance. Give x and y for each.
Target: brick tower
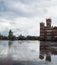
(41, 31)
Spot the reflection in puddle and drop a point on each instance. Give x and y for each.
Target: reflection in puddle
(34, 51)
(47, 50)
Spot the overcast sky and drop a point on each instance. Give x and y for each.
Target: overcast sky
(24, 16)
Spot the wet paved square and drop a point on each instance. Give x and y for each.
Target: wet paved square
(28, 53)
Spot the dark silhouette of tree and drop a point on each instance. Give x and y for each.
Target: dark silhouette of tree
(21, 37)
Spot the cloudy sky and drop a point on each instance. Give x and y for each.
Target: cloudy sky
(24, 16)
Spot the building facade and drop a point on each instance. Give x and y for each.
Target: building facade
(47, 32)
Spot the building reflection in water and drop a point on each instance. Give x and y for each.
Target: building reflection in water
(9, 50)
(9, 43)
(45, 51)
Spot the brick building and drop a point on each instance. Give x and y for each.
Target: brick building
(47, 32)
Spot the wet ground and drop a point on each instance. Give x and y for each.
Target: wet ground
(28, 53)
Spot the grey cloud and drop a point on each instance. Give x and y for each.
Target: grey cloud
(37, 7)
(34, 8)
(8, 10)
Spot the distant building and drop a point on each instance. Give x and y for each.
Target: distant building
(47, 32)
